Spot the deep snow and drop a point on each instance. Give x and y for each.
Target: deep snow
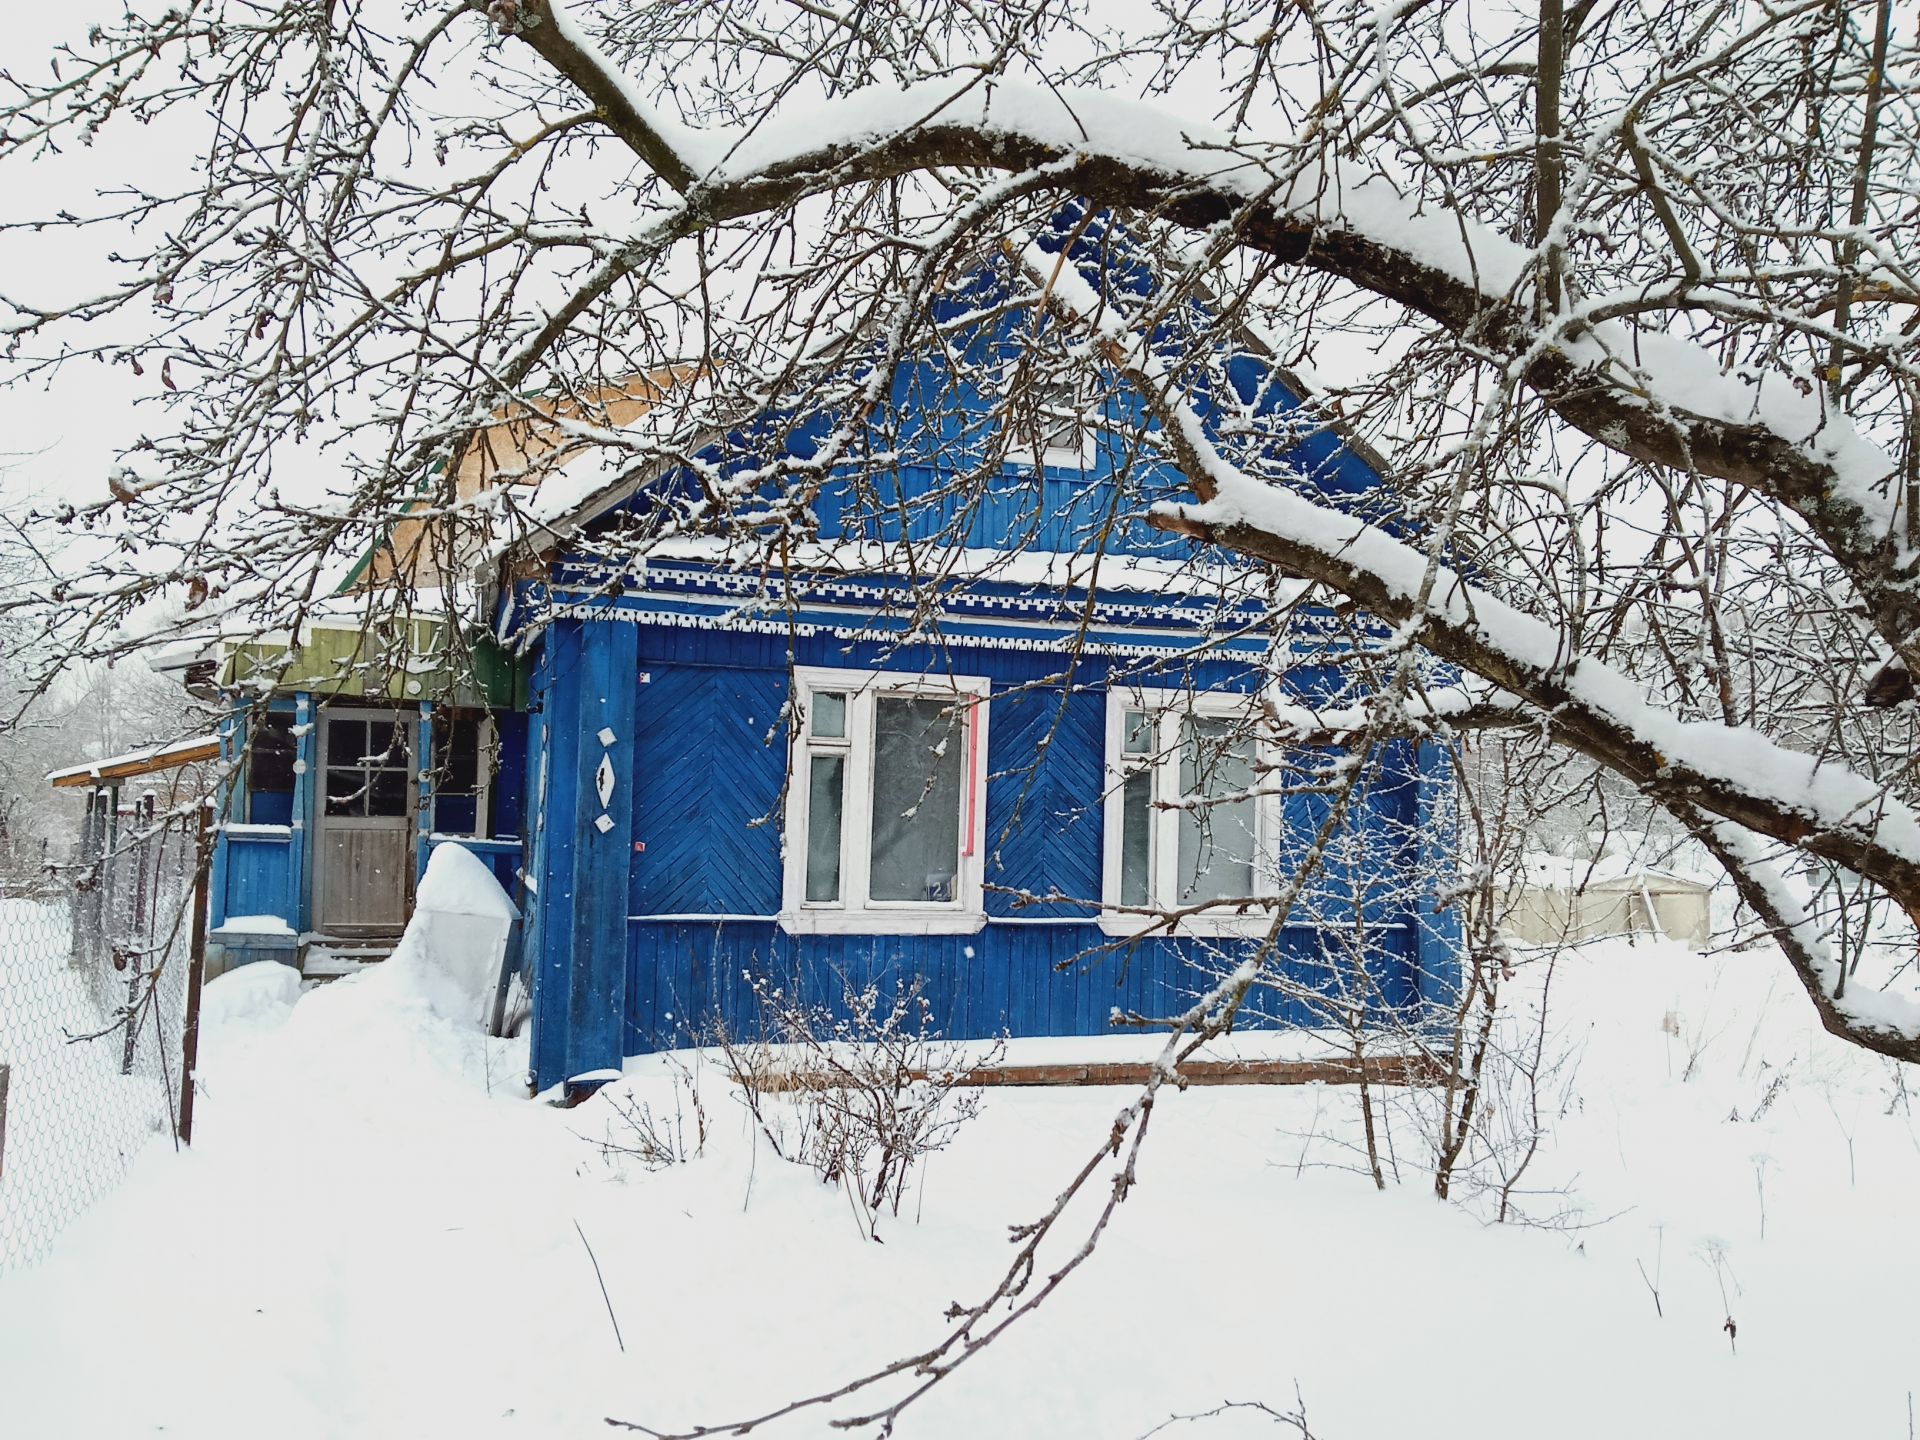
(375, 1236)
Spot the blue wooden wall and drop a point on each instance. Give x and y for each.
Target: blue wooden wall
(1007, 978)
(700, 846)
(699, 852)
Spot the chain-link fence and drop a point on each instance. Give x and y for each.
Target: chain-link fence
(94, 971)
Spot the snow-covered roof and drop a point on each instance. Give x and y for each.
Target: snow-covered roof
(145, 761)
(1609, 871)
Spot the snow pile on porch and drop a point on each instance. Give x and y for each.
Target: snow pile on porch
(375, 1236)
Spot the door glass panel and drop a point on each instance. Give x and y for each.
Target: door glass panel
(346, 741)
(918, 758)
(368, 770)
(826, 795)
(379, 749)
(346, 791)
(1217, 841)
(387, 793)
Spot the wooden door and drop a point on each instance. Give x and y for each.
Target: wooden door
(363, 855)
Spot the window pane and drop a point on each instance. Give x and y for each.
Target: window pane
(346, 791)
(918, 763)
(456, 753)
(387, 792)
(829, 719)
(826, 796)
(1136, 733)
(379, 743)
(270, 755)
(346, 741)
(1059, 415)
(1136, 837)
(1216, 843)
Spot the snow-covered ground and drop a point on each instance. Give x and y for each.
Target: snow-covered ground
(375, 1236)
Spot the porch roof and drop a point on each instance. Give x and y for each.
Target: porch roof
(147, 761)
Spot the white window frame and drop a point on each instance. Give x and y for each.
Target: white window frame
(1168, 708)
(854, 913)
(1037, 450)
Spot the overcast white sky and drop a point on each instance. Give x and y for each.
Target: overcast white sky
(60, 437)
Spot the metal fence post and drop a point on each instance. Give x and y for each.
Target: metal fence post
(138, 945)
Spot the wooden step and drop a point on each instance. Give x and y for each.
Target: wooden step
(328, 958)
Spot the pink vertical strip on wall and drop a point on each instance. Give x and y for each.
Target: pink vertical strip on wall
(973, 782)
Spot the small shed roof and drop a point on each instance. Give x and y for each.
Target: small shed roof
(137, 762)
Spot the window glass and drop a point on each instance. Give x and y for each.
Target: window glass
(387, 793)
(367, 768)
(346, 741)
(1136, 734)
(918, 766)
(460, 758)
(460, 765)
(1216, 841)
(346, 790)
(829, 715)
(826, 797)
(1059, 414)
(269, 768)
(1136, 837)
(379, 743)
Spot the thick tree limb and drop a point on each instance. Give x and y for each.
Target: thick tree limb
(1481, 292)
(1477, 295)
(1881, 1023)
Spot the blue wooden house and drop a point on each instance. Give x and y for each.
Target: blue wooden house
(964, 736)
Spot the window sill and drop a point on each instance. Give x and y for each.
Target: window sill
(882, 922)
(1051, 458)
(1250, 926)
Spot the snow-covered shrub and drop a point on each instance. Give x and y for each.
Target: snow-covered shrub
(656, 1138)
(861, 1098)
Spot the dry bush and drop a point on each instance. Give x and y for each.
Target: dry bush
(862, 1097)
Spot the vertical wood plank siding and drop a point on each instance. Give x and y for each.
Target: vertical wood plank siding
(1016, 979)
(582, 865)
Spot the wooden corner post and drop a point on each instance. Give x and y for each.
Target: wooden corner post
(590, 682)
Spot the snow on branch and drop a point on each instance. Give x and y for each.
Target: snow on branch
(1744, 779)
(1648, 396)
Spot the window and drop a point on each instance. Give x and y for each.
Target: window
(884, 805)
(271, 757)
(1057, 424)
(465, 760)
(1183, 825)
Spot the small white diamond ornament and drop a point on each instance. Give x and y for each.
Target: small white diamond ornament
(603, 824)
